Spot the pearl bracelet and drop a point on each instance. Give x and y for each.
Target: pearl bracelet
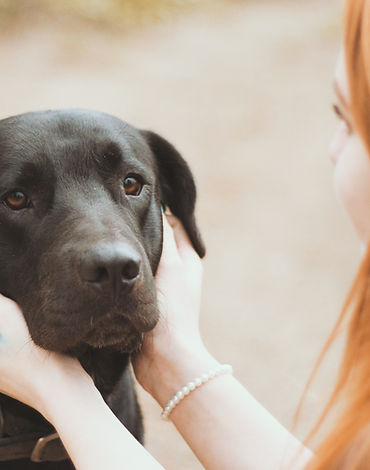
(192, 385)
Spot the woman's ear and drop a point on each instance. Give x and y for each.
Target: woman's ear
(178, 190)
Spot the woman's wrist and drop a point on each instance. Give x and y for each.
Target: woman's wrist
(55, 408)
(176, 365)
(65, 381)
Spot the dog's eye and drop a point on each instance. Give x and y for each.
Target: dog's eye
(132, 186)
(17, 200)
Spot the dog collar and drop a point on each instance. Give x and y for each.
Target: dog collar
(34, 447)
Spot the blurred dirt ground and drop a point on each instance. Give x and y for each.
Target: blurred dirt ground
(244, 92)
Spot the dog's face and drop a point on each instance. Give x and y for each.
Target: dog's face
(81, 225)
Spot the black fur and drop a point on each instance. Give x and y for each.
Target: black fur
(71, 166)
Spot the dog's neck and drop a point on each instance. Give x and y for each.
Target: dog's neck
(105, 366)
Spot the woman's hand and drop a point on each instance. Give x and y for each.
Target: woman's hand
(59, 388)
(178, 281)
(171, 349)
(29, 373)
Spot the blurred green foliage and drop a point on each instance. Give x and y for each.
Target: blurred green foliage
(119, 13)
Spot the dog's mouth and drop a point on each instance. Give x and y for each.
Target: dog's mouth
(116, 331)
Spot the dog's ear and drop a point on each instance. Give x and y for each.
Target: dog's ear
(177, 185)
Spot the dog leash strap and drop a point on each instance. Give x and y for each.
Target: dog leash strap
(36, 447)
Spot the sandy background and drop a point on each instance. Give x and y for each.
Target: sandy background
(244, 91)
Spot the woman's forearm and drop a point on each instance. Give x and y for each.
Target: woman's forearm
(93, 436)
(224, 425)
(228, 429)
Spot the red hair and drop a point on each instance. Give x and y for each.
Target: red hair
(347, 447)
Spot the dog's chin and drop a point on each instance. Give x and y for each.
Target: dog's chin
(128, 341)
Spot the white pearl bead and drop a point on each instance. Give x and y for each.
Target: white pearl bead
(190, 386)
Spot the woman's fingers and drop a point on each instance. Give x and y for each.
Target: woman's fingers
(169, 242)
(12, 323)
(179, 236)
(25, 368)
(179, 259)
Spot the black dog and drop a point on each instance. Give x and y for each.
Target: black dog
(80, 240)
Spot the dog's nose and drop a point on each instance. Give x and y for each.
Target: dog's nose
(114, 267)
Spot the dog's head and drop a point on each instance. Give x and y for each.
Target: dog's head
(81, 225)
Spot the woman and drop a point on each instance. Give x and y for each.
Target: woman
(222, 423)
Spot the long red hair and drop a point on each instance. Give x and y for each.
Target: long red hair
(347, 447)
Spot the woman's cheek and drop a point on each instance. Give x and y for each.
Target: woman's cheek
(351, 183)
(344, 185)
(338, 142)
(340, 152)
